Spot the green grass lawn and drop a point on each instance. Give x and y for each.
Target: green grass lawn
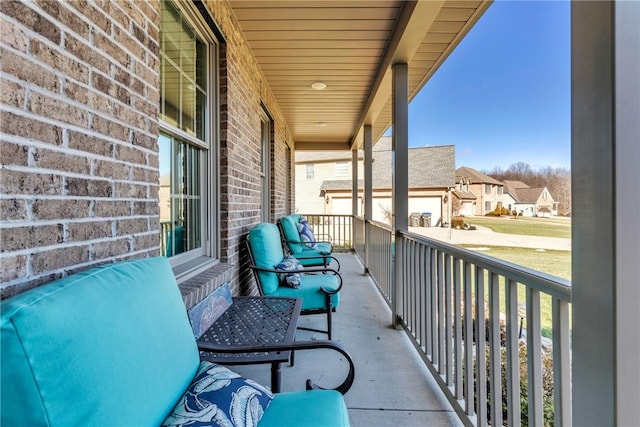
(529, 226)
(556, 263)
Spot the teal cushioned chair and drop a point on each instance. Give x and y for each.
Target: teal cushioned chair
(308, 257)
(319, 292)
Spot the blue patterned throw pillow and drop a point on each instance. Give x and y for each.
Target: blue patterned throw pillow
(306, 234)
(288, 265)
(218, 396)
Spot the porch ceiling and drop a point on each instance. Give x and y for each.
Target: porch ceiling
(349, 45)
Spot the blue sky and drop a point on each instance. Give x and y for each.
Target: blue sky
(503, 95)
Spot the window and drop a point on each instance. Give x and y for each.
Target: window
(265, 166)
(187, 120)
(342, 169)
(310, 171)
(487, 188)
(487, 206)
(499, 189)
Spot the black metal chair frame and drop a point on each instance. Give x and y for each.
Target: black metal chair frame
(328, 293)
(294, 346)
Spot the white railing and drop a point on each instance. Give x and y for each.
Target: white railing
(441, 289)
(338, 227)
(359, 236)
(381, 257)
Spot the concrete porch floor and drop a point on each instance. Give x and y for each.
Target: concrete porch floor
(392, 386)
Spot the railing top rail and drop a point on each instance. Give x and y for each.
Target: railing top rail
(381, 225)
(547, 283)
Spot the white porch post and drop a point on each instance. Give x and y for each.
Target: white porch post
(605, 105)
(400, 178)
(354, 183)
(368, 191)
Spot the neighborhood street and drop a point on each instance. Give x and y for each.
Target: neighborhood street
(485, 236)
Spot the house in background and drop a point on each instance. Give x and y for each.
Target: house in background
(312, 168)
(431, 178)
(528, 201)
(476, 193)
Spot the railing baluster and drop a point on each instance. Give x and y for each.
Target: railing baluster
(561, 364)
(457, 336)
(481, 340)
(513, 351)
(468, 340)
(448, 317)
(433, 310)
(429, 305)
(495, 373)
(441, 315)
(422, 284)
(534, 358)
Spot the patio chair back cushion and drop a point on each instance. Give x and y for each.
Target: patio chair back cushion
(266, 248)
(291, 235)
(74, 340)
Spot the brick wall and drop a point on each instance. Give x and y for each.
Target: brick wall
(78, 135)
(78, 130)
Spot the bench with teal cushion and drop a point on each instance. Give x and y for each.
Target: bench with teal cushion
(319, 292)
(112, 345)
(318, 255)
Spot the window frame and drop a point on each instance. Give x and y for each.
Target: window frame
(191, 262)
(342, 170)
(266, 157)
(310, 171)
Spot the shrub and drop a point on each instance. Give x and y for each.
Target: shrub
(457, 222)
(547, 375)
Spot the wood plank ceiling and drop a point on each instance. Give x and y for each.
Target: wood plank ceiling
(349, 45)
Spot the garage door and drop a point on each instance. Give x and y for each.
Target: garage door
(432, 205)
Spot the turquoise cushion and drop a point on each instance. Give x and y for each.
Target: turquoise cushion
(317, 408)
(220, 397)
(291, 235)
(309, 291)
(266, 248)
(111, 345)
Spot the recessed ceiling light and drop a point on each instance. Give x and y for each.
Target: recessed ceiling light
(318, 86)
(321, 124)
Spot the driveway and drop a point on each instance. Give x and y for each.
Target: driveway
(485, 236)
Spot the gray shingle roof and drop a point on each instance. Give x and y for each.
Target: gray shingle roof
(522, 192)
(474, 176)
(464, 195)
(429, 167)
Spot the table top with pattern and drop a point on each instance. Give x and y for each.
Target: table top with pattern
(254, 320)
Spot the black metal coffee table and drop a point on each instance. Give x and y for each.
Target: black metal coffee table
(254, 321)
